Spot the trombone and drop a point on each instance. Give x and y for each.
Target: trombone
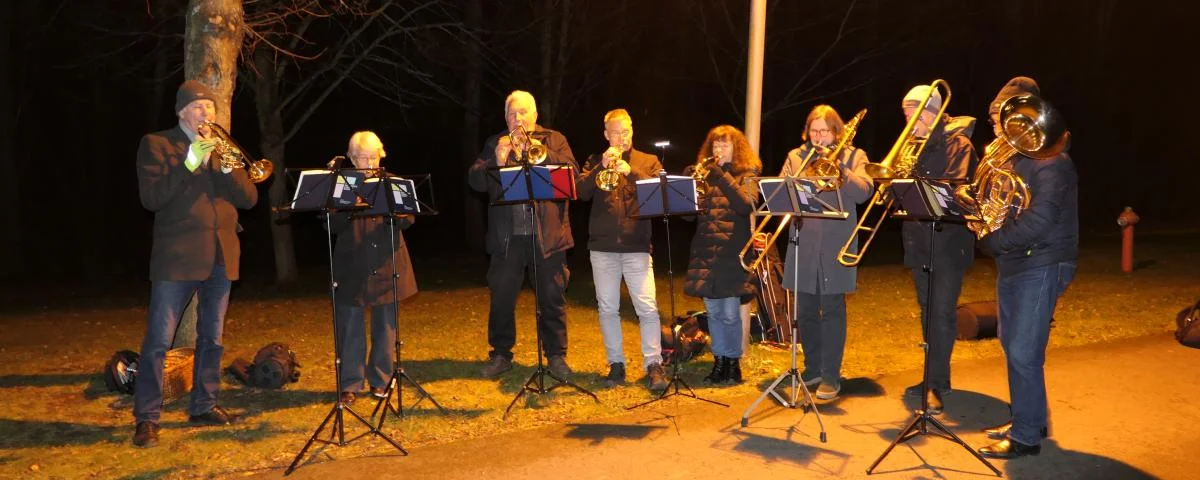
(825, 165)
(899, 163)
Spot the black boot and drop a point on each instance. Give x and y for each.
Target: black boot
(733, 370)
(719, 371)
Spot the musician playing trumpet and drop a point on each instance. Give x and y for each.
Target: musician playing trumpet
(619, 247)
(820, 282)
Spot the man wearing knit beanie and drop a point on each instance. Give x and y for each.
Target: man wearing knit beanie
(195, 251)
(1036, 253)
(947, 154)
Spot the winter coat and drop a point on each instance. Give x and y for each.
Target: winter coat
(553, 224)
(362, 260)
(1048, 231)
(820, 239)
(612, 223)
(948, 154)
(195, 212)
(722, 229)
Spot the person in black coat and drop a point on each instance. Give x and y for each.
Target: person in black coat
(517, 241)
(363, 272)
(715, 272)
(948, 154)
(1036, 254)
(196, 249)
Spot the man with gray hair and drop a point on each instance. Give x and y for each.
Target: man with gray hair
(518, 240)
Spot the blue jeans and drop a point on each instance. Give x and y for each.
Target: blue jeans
(725, 326)
(1027, 300)
(638, 270)
(353, 338)
(822, 324)
(167, 301)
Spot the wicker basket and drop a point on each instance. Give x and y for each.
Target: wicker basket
(177, 373)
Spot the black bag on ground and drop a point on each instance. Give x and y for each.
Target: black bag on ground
(1187, 324)
(120, 371)
(274, 365)
(693, 337)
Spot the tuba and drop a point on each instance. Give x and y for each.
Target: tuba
(231, 155)
(608, 179)
(899, 163)
(1029, 126)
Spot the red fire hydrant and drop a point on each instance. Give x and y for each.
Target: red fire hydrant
(1126, 221)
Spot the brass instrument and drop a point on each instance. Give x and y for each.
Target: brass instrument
(827, 165)
(529, 150)
(699, 172)
(899, 163)
(231, 155)
(608, 179)
(1029, 126)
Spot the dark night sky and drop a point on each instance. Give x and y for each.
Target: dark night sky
(1122, 75)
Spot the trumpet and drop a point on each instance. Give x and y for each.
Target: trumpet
(899, 163)
(1029, 126)
(231, 155)
(529, 150)
(609, 179)
(699, 172)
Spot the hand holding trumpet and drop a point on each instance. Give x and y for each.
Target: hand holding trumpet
(612, 159)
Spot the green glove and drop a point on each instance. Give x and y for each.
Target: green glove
(199, 150)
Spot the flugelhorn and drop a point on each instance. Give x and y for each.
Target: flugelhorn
(699, 172)
(608, 179)
(231, 155)
(899, 163)
(1029, 126)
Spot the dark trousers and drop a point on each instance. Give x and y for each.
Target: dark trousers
(938, 309)
(167, 301)
(353, 337)
(506, 275)
(822, 333)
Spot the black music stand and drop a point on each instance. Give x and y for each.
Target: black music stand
(394, 196)
(665, 197)
(526, 184)
(931, 200)
(794, 198)
(328, 191)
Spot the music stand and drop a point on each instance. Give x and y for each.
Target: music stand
(667, 196)
(394, 196)
(794, 198)
(328, 191)
(931, 200)
(526, 184)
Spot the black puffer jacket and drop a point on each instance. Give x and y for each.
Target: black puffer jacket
(722, 229)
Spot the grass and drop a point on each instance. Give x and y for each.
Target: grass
(58, 422)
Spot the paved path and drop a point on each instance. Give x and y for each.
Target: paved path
(1127, 409)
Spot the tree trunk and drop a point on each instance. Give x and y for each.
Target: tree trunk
(473, 209)
(212, 40)
(270, 125)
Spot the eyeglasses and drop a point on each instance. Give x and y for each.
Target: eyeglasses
(822, 131)
(364, 158)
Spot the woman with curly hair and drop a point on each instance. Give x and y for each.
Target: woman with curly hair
(722, 227)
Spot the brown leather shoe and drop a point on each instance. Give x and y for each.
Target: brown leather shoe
(378, 392)
(146, 435)
(347, 398)
(216, 416)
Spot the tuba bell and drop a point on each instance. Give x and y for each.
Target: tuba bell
(231, 155)
(1029, 126)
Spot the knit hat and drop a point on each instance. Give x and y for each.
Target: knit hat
(191, 91)
(913, 98)
(1014, 87)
